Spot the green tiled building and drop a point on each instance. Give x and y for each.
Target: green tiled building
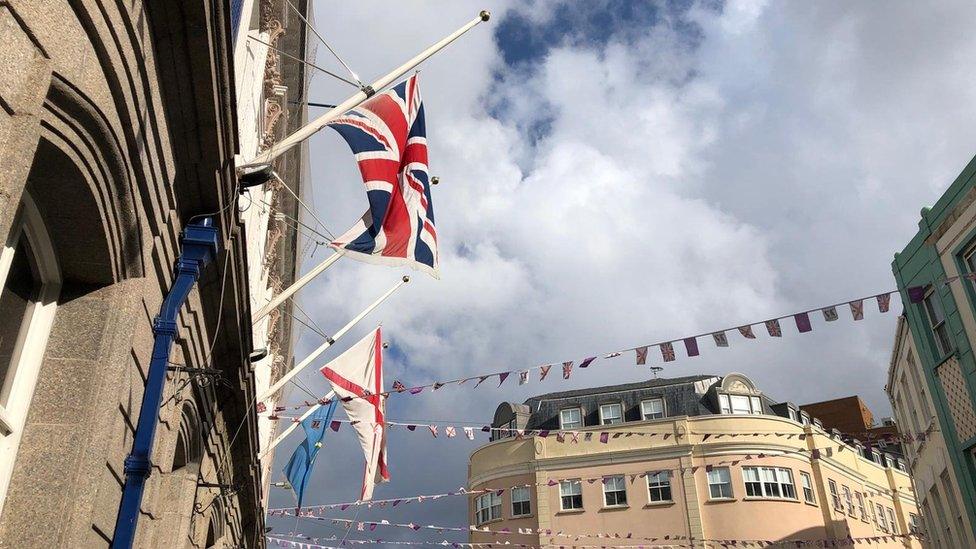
(940, 312)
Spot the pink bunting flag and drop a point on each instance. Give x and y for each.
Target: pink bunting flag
(544, 371)
(641, 355)
(691, 346)
(802, 322)
(884, 302)
(746, 332)
(450, 431)
(262, 408)
(772, 326)
(720, 339)
(667, 352)
(469, 432)
(604, 437)
(857, 309)
(335, 426)
(567, 369)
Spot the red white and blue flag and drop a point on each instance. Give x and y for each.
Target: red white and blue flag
(388, 136)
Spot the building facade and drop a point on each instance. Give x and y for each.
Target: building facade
(697, 461)
(936, 485)
(119, 126)
(940, 324)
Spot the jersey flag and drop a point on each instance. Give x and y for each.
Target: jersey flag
(388, 136)
(357, 378)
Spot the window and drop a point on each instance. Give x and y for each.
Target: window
(769, 482)
(808, 495)
(860, 506)
(614, 491)
(740, 404)
(792, 414)
(848, 500)
(914, 526)
(756, 405)
(611, 414)
(834, 496)
(892, 521)
(724, 404)
(882, 522)
(940, 332)
(570, 495)
(659, 486)
(488, 507)
(719, 483)
(29, 285)
(520, 501)
(653, 408)
(571, 418)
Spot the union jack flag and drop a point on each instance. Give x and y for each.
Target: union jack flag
(388, 136)
(399, 387)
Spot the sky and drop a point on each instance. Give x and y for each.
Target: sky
(620, 173)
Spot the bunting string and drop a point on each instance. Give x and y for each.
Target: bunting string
(720, 337)
(815, 453)
(371, 525)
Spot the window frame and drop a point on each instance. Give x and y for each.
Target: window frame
(661, 487)
(620, 405)
(882, 520)
(848, 499)
(664, 408)
(494, 502)
(726, 482)
(932, 304)
(770, 483)
(571, 483)
(860, 506)
(806, 485)
(28, 354)
(835, 495)
(564, 425)
(892, 521)
(527, 502)
(618, 501)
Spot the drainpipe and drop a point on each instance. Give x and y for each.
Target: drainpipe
(199, 246)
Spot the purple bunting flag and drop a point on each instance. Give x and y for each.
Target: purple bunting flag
(502, 377)
(916, 294)
(587, 361)
(641, 355)
(335, 426)
(802, 322)
(604, 437)
(691, 346)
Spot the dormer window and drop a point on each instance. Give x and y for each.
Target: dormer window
(652, 408)
(740, 404)
(611, 414)
(571, 418)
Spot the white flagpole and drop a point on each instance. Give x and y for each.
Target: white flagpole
(314, 126)
(297, 285)
(293, 426)
(308, 360)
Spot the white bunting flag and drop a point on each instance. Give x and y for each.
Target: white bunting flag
(830, 314)
(720, 339)
(469, 432)
(523, 377)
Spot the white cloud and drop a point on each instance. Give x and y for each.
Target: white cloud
(775, 167)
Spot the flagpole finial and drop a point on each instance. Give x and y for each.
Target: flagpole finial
(435, 180)
(406, 278)
(485, 15)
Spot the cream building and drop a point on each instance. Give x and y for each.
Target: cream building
(946, 522)
(696, 459)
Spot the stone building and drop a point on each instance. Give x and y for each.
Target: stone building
(700, 461)
(120, 124)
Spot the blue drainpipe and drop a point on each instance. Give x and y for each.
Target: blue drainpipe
(199, 246)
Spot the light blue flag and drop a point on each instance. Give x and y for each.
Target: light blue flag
(299, 467)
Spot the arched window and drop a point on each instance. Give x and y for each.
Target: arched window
(189, 447)
(31, 282)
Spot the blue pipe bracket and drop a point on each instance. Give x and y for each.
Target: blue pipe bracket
(198, 248)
